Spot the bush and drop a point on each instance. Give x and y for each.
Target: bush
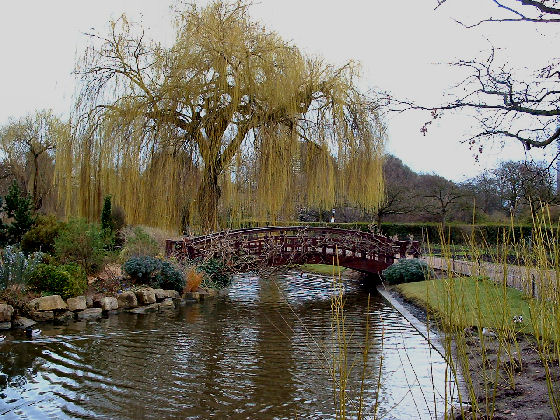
(194, 279)
(16, 269)
(42, 235)
(154, 273)
(406, 270)
(82, 243)
(138, 243)
(66, 280)
(216, 272)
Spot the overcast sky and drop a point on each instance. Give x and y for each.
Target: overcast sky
(403, 47)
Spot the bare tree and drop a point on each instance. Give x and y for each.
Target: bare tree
(507, 104)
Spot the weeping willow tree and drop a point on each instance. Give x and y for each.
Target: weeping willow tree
(228, 117)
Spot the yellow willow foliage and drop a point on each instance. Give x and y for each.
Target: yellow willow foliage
(227, 123)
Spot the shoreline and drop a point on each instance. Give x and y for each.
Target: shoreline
(527, 400)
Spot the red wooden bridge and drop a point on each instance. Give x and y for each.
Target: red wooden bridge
(275, 246)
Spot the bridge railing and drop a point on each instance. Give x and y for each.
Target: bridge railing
(296, 244)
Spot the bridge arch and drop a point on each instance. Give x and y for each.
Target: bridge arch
(274, 246)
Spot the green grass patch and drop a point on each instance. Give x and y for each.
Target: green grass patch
(468, 301)
(323, 269)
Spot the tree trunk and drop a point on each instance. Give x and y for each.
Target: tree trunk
(208, 195)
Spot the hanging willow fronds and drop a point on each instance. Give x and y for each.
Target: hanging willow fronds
(230, 120)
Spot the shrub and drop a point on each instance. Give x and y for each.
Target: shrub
(154, 273)
(82, 243)
(138, 243)
(405, 271)
(15, 268)
(106, 218)
(20, 210)
(194, 279)
(66, 280)
(42, 235)
(216, 272)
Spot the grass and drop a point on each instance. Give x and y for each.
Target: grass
(323, 269)
(472, 302)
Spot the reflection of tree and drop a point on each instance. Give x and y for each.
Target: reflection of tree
(273, 351)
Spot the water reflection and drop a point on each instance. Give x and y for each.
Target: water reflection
(261, 351)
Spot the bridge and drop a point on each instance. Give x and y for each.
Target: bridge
(274, 246)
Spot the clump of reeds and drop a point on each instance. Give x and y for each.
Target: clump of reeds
(496, 351)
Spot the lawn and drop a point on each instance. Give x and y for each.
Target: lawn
(324, 269)
(467, 301)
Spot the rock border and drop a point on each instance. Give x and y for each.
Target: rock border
(54, 309)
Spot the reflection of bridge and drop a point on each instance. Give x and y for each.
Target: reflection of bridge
(274, 246)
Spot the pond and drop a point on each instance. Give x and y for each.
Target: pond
(262, 350)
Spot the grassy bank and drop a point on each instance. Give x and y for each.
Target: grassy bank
(323, 269)
(476, 302)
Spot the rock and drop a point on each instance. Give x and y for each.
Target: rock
(21, 322)
(6, 312)
(42, 316)
(5, 325)
(89, 301)
(77, 303)
(109, 304)
(90, 313)
(166, 305)
(192, 296)
(127, 300)
(145, 309)
(160, 294)
(64, 317)
(173, 294)
(146, 296)
(166, 294)
(47, 303)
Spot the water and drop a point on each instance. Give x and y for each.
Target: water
(261, 351)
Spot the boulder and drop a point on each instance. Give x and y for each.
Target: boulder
(64, 317)
(90, 313)
(146, 296)
(192, 296)
(167, 304)
(77, 303)
(47, 303)
(145, 309)
(6, 312)
(127, 300)
(89, 301)
(109, 304)
(5, 325)
(42, 316)
(21, 322)
(160, 294)
(173, 294)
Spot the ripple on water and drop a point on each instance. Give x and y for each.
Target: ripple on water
(261, 351)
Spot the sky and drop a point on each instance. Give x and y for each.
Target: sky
(403, 47)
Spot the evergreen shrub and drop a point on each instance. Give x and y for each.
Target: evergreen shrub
(67, 280)
(154, 273)
(406, 271)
